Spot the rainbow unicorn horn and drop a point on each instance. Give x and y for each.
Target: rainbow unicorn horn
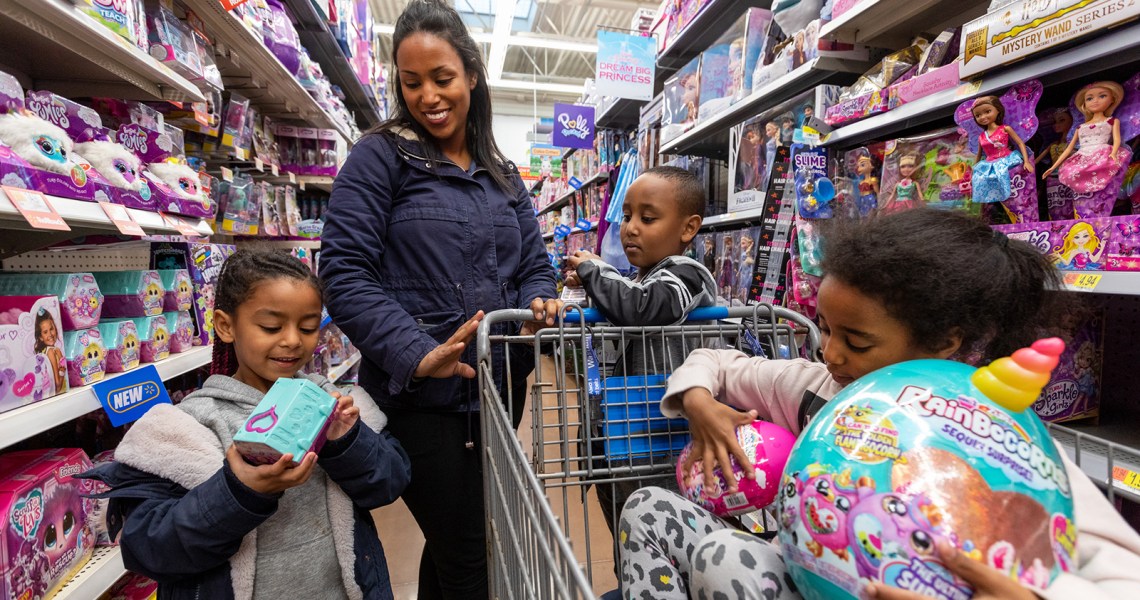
(1015, 382)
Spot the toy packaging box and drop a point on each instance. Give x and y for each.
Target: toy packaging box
(86, 356)
(682, 98)
(1104, 244)
(154, 147)
(1026, 27)
(931, 170)
(154, 337)
(46, 533)
(179, 290)
(32, 363)
(131, 293)
(133, 587)
(291, 418)
(1074, 390)
(80, 301)
(181, 328)
(121, 340)
(204, 262)
(716, 91)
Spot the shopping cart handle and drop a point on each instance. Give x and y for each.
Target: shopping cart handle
(706, 313)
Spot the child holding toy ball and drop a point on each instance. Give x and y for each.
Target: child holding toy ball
(905, 286)
(204, 523)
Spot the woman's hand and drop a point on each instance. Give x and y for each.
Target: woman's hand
(713, 427)
(545, 313)
(444, 361)
(344, 416)
(989, 583)
(274, 478)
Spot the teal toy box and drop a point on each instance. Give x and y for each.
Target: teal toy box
(291, 419)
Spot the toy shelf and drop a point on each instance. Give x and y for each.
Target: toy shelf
(1126, 283)
(732, 218)
(1105, 453)
(96, 577)
(710, 137)
(894, 23)
(1118, 47)
(250, 69)
(67, 52)
(711, 23)
(26, 421)
(338, 371)
(621, 113)
(549, 235)
(313, 29)
(569, 152)
(315, 182)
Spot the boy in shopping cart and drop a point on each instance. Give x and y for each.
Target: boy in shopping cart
(661, 215)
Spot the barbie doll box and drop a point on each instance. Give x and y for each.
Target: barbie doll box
(46, 536)
(1104, 244)
(32, 350)
(1023, 28)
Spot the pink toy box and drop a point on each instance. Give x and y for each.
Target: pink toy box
(133, 587)
(131, 293)
(1105, 244)
(46, 533)
(1074, 388)
(290, 419)
(154, 337)
(857, 108)
(181, 328)
(121, 339)
(179, 290)
(33, 366)
(80, 301)
(86, 356)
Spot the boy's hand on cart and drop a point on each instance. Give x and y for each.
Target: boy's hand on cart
(713, 427)
(572, 279)
(274, 478)
(988, 582)
(444, 361)
(545, 313)
(344, 417)
(580, 257)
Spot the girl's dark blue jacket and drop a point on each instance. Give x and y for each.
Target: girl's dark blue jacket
(410, 250)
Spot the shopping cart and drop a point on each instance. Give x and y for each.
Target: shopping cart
(595, 429)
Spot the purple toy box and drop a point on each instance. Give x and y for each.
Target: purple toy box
(179, 290)
(80, 301)
(154, 337)
(1105, 244)
(86, 356)
(204, 262)
(121, 339)
(81, 124)
(32, 363)
(131, 293)
(154, 147)
(181, 328)
(1074, 388)
(46, 534)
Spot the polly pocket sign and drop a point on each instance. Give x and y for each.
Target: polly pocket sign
(573, 126)
(924, 452)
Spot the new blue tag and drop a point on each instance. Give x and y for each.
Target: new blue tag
(575, 183)
(584, 225)
(561, 231)
(126, 398)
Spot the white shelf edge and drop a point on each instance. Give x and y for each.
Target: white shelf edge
(600, 175)
(1088, 52)
(776, 91)
(549, 235)
(1094, 463)
(338, 371)
(894, 21)
(80, 213)
(96, 577)
(26, 421)
(1126, 283)
(733, 217)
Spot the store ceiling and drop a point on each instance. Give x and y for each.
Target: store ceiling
(575, 21)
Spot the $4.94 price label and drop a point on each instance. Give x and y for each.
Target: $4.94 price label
(1082, 281)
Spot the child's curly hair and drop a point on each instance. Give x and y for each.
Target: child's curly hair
(944, 273)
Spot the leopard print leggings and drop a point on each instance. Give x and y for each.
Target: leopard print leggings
(672, 548)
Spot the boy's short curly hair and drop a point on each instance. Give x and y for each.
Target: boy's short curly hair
(689, 193)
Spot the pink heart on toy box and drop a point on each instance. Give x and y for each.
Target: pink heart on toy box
(24, 386)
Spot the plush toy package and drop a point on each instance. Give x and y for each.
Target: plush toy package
(181, 328)
(86, 356)
(924, 452)
(179, 289)
(121, 340)
(291, 419)
(80, 301)
(32, 363)
(131, 293)
(46, 534)
(154, 337)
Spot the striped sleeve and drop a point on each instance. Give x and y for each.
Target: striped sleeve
(663, 298)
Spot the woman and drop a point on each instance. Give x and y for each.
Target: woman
(429, 226)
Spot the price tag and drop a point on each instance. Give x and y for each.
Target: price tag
(122, 219)
(260, 166)
(302, 185)
(36, 209)
(575, 183)
(277, 171)
(292, 178)
(179, 224)
(969, 88)
(1128, 478)
(227, 175)
(584, 225)
(1083, 281)
(126, 398)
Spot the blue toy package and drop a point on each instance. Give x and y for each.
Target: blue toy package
(924, 452)
(814, 191)
(716, 84)
(292, 418)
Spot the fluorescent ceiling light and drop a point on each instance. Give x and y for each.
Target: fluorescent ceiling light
(550, 43)
(532, 86)
(497, 57)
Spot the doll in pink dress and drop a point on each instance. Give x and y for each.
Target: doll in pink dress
(1099, 157)
(907, 195)
(990, 180)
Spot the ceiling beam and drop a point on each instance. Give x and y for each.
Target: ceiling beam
(504, 18)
